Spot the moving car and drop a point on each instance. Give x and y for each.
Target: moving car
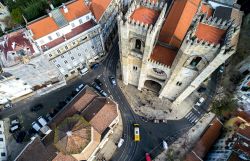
(112, 80)
(136, 133)
(36, 107)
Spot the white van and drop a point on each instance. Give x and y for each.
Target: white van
(121, 141)
(36, 126)
(14, 128)
(84, 71)
(42, 121)
(200, 101)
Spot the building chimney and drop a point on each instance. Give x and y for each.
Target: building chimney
(65, 9)
(51, 6)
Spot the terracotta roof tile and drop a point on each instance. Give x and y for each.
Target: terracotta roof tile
(145, 15)
(98, 7)
(43, 27)
(210, 33)
(208, 138)
(60, 156)
(207, 9)
(20, 41)
(244, 130)
(245, 115)
(100, 113)
(86, 153)
(76, 9)
(241, 145)
(234, 157)
(178, 21)
(191, 157)
(163, 55)
(35, 149)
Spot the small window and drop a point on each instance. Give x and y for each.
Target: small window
(138, 44)
(58, 34)
(54, 60)
(65, 61)
(59, 51)
(1, 139)
(73, 43)
(195, 61)
(66, 47)
(3, 154)
(73, 25)
(50, 38)
(72, 72)
(1, 132)
(58, 65)
(135, 68)
(93, 47)
(66, 75)
(72, 58)
(179, 83)
(87, 17)
(62, 56)
(50, 55)
(80, 21)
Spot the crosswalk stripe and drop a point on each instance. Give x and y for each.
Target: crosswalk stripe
(188, 114)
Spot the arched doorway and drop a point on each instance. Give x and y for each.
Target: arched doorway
(152, 85)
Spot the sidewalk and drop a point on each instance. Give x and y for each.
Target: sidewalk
(180, 147)
(109, 148)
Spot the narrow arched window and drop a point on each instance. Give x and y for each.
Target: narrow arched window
(195, 61)
(138, 44)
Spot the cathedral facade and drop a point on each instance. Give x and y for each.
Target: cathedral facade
(173, 48)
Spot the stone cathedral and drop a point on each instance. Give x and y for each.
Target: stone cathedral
(171, 48)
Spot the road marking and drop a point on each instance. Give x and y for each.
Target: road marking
(191, 114)
(188, 114)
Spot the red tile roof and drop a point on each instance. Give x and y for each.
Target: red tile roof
(20, 43)
(178, 21)
(163, 55)
(244, 130)
(244, 114)
(210, 33)
(60, 157)
(242, 145)
(43, 27)
(207, 9)
(98, 7)
(47, 25)
(76, 9)
(75, 31)
(100, 113)
(145, 15)
(207, 140)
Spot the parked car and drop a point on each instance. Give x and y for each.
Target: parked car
(36, 126)
(48, 117)
(98, 82)
(200, 101)
(14, 122)
(84, 71)
(98, 88)
(103, 93)
(201, 89)
(36, 107)
(14, 128)
(42, 121)
(121, 141)
(94, 66)
(112, 80)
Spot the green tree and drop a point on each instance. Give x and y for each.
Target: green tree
(16, 15)
(224, 106)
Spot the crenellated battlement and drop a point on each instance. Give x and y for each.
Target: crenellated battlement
(214, 21)
(159, 65)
